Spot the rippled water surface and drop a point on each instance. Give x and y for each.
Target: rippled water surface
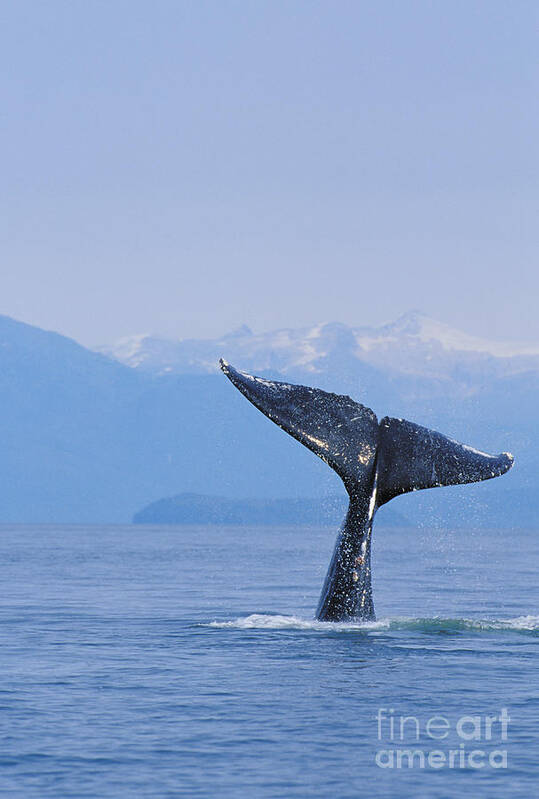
(162, 662)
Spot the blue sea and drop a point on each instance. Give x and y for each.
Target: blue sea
(185, 662)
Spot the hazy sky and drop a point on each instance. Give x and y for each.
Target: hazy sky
(184, 167)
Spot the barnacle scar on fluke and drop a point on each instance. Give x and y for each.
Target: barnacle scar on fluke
(375, 460)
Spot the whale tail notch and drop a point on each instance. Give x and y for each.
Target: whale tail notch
(347, 436)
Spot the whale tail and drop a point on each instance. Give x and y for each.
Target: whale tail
(346, 435)
(376, 462)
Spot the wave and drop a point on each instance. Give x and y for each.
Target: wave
(262, 621)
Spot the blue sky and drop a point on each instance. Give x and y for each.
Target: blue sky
(184, 167)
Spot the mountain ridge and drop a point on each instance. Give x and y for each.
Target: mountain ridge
(84, 438)
(414, 346)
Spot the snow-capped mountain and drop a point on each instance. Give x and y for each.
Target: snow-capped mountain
(88, 439)
(413, 345)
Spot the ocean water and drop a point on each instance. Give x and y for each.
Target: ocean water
(184, 661)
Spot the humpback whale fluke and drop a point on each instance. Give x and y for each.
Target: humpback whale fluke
(376, 462)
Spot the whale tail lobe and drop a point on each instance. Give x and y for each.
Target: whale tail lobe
(402, 455)
(412, 457)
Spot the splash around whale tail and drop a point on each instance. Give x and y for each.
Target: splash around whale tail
(347, 436)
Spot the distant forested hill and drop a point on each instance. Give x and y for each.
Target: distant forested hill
(204, 509)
